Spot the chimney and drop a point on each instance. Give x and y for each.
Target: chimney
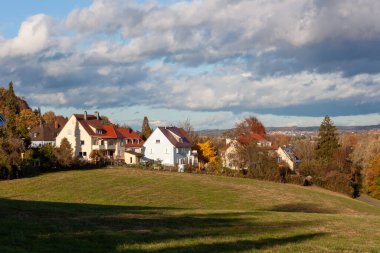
(85, 115)
(97, 116)
(56, 125)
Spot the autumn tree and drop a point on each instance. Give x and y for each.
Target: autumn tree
(328, 141)
(146, 131)
(372, 178)
(279, 139)
(26, 121)
(245, 132)
(49, 117)
(206, 152)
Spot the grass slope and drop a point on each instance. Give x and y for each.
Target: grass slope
(125, 210)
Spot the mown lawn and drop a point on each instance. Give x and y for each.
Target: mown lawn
(127, 210)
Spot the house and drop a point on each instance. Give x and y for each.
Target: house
(44, 134)
(132, 157)
(171, 145)
(229, 155)
(286, 154)
(87, 133)
(133, 141)
(133, 146)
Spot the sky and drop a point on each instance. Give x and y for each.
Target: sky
(213, 62)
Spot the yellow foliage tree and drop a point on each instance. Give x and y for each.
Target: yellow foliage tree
(372, 177)
(207, 152)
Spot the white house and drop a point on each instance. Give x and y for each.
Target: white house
(171, 145)
(87, 133)
(286, 154)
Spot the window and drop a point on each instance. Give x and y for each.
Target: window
(151, 151)
(130, 159)
(80, 154)
(81, 142)
(166, 150)
(84, 153)
(158, 141)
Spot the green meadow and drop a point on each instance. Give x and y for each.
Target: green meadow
(131, 210)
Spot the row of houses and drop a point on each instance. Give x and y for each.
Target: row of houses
(170, 145)
(87, 134)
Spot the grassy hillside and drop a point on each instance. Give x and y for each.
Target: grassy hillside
(125, 210)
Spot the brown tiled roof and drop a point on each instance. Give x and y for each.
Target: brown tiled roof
(170, 132)
(44, 133)
(109, 131)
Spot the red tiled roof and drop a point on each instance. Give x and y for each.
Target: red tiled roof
(128, 133)
(170, 133)
(109, 131)
(257, 137)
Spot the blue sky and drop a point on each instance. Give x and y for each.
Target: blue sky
(213, 62)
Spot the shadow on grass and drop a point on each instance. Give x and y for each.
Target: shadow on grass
(31, 226)
(302, 208)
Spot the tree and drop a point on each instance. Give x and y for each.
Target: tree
(12, 110)
(372, 177)
(206, 152)
(26, 121)
(146, 131)
(186, 125)
(49, 117)
(245, 132)
(327, 143)
(64, 153)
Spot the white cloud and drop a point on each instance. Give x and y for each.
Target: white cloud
(33, 36)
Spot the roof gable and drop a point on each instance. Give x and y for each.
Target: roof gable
(177, 136)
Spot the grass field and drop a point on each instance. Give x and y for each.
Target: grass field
(127, 210)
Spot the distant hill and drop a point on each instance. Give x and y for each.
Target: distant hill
(220, 132)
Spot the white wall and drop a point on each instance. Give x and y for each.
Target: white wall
(74, 132)
(163, 150)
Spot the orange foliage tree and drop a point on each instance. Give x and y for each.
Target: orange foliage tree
(245, 132)
(372, 177)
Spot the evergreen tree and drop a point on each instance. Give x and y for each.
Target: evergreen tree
(12, 110)
(146, 131)
(327, 143)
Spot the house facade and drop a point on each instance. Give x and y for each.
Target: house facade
(87, 133)
(44, 134)
(286, 155)
(171, 146)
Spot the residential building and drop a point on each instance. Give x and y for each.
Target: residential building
(229, 155)
(87, 133)
(46, 133)
(286, 155)
(170, 145)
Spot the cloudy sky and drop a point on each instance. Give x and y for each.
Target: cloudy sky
(288, 62)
